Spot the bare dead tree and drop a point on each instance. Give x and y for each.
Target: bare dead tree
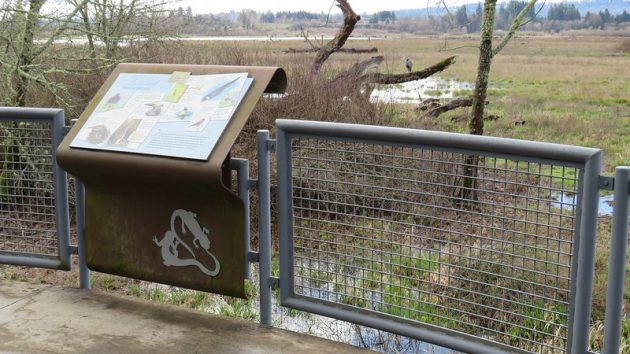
(486, 54)
(468, 189)
(350, 19)
(359, 74)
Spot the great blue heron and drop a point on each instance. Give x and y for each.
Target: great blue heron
(408, 63)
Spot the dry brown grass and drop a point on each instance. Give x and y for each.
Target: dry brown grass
(569, 89)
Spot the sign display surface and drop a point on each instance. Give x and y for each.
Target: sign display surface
(177, 115)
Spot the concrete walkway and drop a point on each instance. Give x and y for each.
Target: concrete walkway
(43, 318)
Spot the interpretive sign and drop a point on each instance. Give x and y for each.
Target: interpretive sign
(153, 150)
(177, 115)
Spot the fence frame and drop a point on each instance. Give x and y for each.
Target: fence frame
(617, 261)
(588, 160)
(60, 180)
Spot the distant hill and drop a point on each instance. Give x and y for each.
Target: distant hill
(421, 13)
(613, 6)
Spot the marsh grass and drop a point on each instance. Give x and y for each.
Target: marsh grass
(571, 90)
(547, 81)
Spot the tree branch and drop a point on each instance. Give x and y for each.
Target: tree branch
(350, 18)
(307, 40)
(378, 78)
(59, 30)
(444, 49)
(341, 50)
(358, 70)
(516, 24)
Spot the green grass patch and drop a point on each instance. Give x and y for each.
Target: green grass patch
(462, 93)
(495, 92)
(318, 278)
(538, 320)
(238, 308)
(435, 93)
(565, 178)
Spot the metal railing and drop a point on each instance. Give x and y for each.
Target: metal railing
(474, 243)
(616, 265)
(33, 189)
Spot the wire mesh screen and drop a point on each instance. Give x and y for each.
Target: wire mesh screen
(27, 200)
(476, 244)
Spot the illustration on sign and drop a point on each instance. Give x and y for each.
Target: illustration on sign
(178, 115)
(173, 242)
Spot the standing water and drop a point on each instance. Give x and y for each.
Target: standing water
(414, 92)
(341, 331)
(567, 201)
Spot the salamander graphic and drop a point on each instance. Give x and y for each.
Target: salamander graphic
(171, 241)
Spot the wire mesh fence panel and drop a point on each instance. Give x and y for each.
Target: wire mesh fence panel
(480, 244)
(27, 198)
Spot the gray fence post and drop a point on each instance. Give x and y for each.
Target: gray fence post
(617, 265)
(241, 166)
(84, 272)
(586, 256)
(62, 219)
(264, 220)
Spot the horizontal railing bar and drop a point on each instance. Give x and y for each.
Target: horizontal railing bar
(435, 335)
(23, 114)
(30, 260)
(468, 143)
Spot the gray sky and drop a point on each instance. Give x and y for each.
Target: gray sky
(359, 6)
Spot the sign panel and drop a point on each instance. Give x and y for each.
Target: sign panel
(177, 115)
(152, 150)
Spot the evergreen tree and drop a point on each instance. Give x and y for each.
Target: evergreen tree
(461, 17)
(563, 12)
(623, 17)
(267, 17)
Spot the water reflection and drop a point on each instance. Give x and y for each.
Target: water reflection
(567, 201)
(414, 92)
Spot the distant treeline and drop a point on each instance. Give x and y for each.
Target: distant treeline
(382, 16)
(284, 16)
(556, 14)
(555, 17)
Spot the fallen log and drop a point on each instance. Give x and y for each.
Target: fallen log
(434, 108)
(378, 78)
(342, 50)
(435, 112)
